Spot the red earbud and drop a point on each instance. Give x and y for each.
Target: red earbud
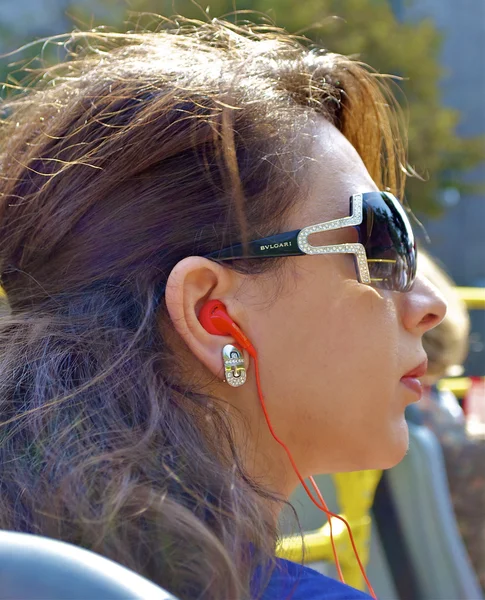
(214, 319)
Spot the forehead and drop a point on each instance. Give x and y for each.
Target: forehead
(335, 172)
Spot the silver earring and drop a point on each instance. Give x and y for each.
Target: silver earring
(234, 368)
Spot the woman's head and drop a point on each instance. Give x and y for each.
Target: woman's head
(119, 173)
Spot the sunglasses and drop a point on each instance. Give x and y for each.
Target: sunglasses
(384, 256)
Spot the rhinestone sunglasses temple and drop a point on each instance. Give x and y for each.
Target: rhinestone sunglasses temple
(295, 243)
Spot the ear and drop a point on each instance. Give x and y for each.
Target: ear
(192, 282)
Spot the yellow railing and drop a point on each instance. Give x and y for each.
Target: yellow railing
(458, 385)
(355, 495)
(474, 298)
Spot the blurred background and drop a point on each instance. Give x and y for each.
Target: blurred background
(437, 49)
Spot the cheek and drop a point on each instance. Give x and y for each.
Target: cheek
(330, 371)
(334, 344)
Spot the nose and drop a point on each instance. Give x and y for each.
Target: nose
(425, 307)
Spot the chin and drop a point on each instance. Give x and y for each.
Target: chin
(392, 448)
(397, 447)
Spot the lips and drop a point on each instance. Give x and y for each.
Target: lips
(411, 379)
(419, 371)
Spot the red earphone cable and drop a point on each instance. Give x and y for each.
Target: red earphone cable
(321, 505)
(215, 319)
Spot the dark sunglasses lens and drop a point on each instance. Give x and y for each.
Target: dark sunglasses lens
(389, 242)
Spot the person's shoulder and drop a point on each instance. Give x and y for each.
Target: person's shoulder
(297, 582)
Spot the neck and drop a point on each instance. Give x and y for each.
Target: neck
(264, 460)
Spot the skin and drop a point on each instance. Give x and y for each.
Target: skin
(331, 350)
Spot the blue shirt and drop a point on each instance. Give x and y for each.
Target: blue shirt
(295, 582)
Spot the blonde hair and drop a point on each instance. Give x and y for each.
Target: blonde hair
(447, 344)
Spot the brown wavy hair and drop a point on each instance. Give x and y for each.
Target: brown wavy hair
(136, 151)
